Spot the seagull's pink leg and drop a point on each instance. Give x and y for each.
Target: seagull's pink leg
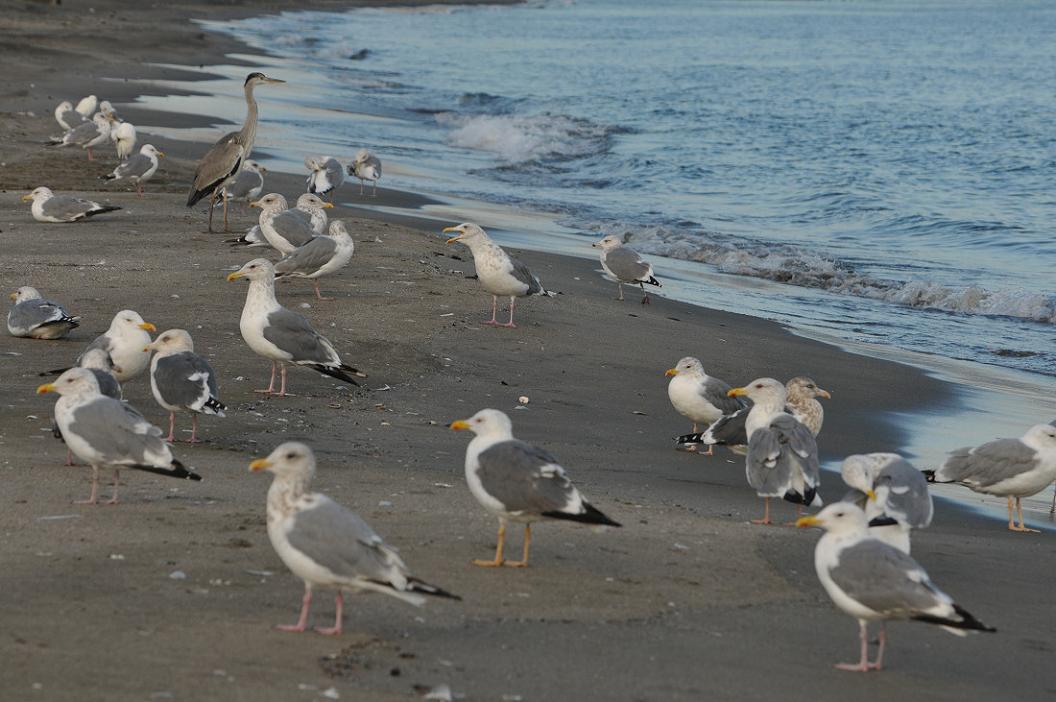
(302, 621)
(69, 457)
(510, 324)
(172, 428)
(92, 499)
(319, 294)
(282, 389)
(271, 385)
(113, 498)
(645, 295)
(90, 158)
(878, 664)
(862, 665)
(334, 630)
(620, 288)
(766, 513)
(139, 188)
(194, 430)
(494, 311)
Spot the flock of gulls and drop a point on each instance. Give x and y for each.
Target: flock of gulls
(863, 559)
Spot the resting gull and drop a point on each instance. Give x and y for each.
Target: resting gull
(87, 135)
(182, 381)
(67, 117)
(1010, 468)
(284, 229)
(498, 272)
(518, 482)
(33, 317)
(873, 581)
(327, 545)
(104, 432)
(139, 168)
(894, 493)
(248, 185)
(697, 395)
(86, 105)
(124, 342)
(625, 265)
(782, 459)
(49, 207)
(322, 255)
(366, 166)
(326, 176)
(285, 337)
(123, 134)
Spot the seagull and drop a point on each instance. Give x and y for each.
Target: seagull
(100, 365)
(1010, 468)
(138, 169)
(873, 581)
(697, 395)
(327, 545)
(285, 337)
(782, 459)
(895, 495)
(123, 134)
(625, 265)
(321, 256)
(182, 381)
(498, 272)
(52, 208)
(366, 166)
(312, 209)
(326, 176)
(248, 184)
(104, 432)
(67, 117)
(87, 135)
(222, 163)
(124, 342)
(518, 482)
(33, 317)
(86, 106)
(282, 228)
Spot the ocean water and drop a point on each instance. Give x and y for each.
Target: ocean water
(878, 172)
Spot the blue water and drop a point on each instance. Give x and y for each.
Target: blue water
(881, 172)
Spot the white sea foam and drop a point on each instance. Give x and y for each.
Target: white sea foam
(525, 138)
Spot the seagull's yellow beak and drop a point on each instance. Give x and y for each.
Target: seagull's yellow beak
(161, 154)
(46, 388)
(256, 203)
(259, 464)
(447, 230)
(27, 197)
(459, 425)
(147, 326)
(804, 522)
(671, 372)
(232, 277)
(328, 205)
(13, 296)
(737, 392)
(262, 169)
(824, 393)
(871, 494)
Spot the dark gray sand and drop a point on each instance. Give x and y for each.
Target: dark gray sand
(686, 602)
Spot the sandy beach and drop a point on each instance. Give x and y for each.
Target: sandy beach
(172, 595)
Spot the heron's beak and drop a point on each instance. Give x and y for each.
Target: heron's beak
(259, 464)
(447, 230)
(871, 494)
(232, 277)
(824, 393)
(256, 203)
(161, 154)
(804, 522)
(328, 205)
(671, 372)
(46, 388)
(459, 425)
(27, 197)
(737, 392)
(273, 80)
(147, 326)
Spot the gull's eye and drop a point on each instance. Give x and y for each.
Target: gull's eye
(759, 385)
(291, 455)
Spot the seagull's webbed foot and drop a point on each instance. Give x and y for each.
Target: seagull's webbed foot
(1023, 529)
(328, 630)
(489, 564)
(295, 628)
(855, 667)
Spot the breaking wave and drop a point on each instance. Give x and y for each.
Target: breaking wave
(516, 139)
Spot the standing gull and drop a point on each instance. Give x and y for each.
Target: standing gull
(182, 381)
(366, 166)
(99, 364)
(321, 256)
(138, 169)
(326, 176)
(282, 228)
(895, 495)
(285, 337)
(697, 395)
(124, 342)
(88, 135)
(499, 273)
(782, 459)
(312, 208)
(222, 163)
(104, 432)
(52, 208)
(625, 265)
(327, 545)
(67, 117)
(873, 581)
(123, 134)
(248, 185)
(34, 317)
(1010, 468)
(518, 482)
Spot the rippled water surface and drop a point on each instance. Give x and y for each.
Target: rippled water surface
(883, 171)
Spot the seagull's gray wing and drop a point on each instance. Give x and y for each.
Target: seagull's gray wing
(780, 454)
(27, 316)
(246, 181)
(108, 384)
(307, 259)
(729, 429)
(337, 539)
(989, 464)
(102, 341)
(67, 208)
(73, 118)
(525, 479)
(627, 265)
(521, 273)
(82, 133)
(714, 391)
(886, 580)
(187, 380)
(293, 334)
(134, 166)
(295, 226)
(118, 434)
(904, 492)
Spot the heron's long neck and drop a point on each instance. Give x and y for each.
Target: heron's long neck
(249, 129)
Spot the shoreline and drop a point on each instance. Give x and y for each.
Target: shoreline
(659, 609)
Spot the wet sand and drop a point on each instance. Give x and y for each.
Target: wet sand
(686, 602)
